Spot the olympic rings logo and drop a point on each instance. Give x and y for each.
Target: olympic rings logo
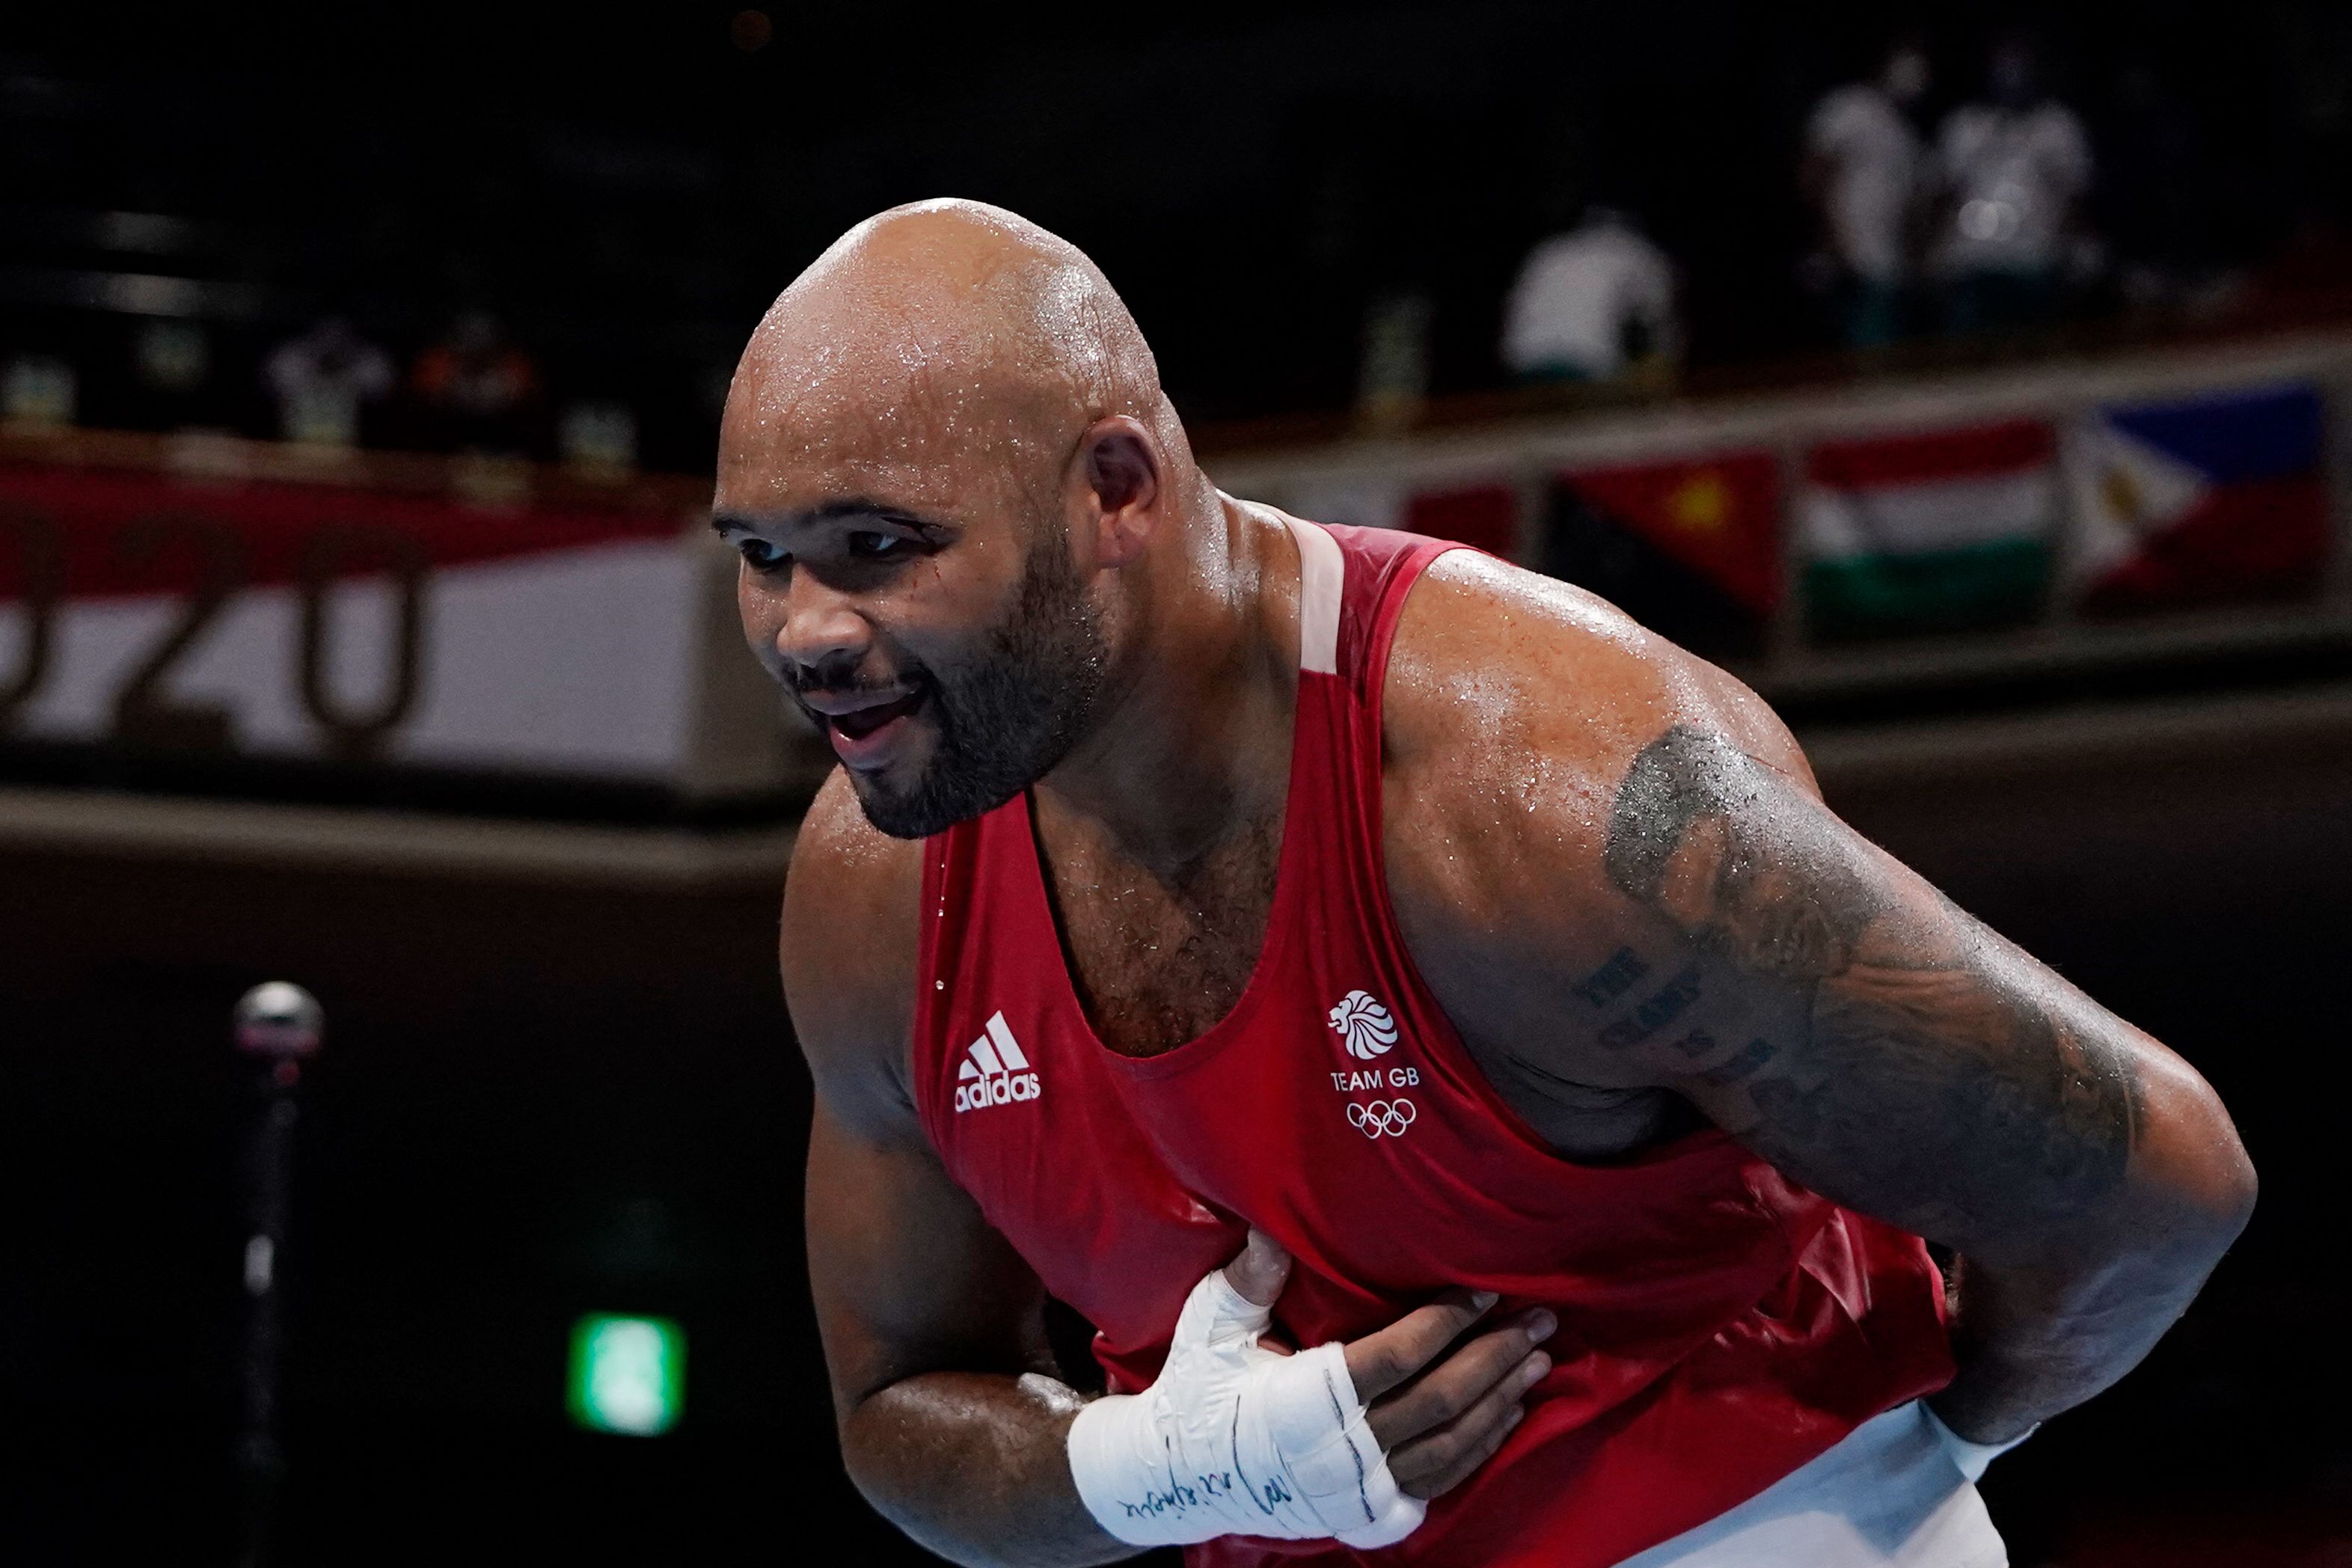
(1381, 1118)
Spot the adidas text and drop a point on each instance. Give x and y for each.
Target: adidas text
(996, 1070)
(996, 1090)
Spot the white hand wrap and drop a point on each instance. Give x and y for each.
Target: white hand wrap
(1235, 1439)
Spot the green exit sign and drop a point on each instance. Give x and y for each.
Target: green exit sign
(629, 1375)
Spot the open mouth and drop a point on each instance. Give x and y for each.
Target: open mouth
(866, 721)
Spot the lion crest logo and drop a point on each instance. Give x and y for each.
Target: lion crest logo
(1363, 1025)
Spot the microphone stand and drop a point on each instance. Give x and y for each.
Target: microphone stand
(277, 1029)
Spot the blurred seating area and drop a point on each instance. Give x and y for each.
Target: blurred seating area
(510, 239)
(1895, 365)
(308, 621)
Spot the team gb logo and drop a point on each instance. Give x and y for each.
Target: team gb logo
(1363, 1025)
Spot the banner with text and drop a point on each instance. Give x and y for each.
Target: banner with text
(270, 619)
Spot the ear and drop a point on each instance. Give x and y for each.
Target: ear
(1115, 486)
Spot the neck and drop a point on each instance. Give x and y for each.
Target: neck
(1193, 743)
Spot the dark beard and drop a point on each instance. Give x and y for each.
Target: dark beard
(1010, 715)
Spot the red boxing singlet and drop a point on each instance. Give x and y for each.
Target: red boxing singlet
(1719, 1325)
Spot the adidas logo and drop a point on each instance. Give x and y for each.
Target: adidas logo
(994, 1071)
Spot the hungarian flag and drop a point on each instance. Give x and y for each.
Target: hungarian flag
(1689, 548)
(2214, 499)
(1943, 531)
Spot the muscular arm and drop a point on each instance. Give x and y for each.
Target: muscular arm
(1666, 903)
(1899, 1056)
(952, 1421)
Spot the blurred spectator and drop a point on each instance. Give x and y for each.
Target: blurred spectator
(598, 437)
(171, 356)
(1591, 304)
(323, 379)
(39, 389)
(2014, 170)
(1862, 172)
(477, 389)
(1393, 379)
(170, 363)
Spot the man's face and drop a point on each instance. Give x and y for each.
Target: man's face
(950, 664)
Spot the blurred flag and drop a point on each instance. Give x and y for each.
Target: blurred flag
(1484, 516)
(1689, 548)
(1939, 532)
(2211, 498)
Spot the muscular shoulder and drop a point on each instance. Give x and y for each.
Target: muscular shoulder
(1513, 695)
(847, 951)
(1520, 715)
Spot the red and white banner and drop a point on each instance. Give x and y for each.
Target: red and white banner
(280, 619)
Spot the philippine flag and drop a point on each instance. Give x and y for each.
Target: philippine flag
(2206, 500)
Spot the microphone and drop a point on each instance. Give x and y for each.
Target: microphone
(277, 1026)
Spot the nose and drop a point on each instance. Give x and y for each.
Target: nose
(821, 625)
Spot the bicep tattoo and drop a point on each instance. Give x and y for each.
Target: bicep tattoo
(1929, 1073)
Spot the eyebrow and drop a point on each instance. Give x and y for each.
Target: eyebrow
(849, 506)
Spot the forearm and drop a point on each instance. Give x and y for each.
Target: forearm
(2033, 1340)
(1898, 1057)
(2058, 1305)
(974, 1465)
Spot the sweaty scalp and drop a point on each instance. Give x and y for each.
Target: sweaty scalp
(935, 335)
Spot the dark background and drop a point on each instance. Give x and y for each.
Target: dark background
(539, 1099)
(629, 188)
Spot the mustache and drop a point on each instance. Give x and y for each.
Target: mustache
(844, 679)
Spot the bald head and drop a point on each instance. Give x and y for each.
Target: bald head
(953, 479)
(938, 337)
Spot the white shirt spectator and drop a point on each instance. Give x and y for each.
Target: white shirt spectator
(321, 378)
(1579, 294)
(2012, 175)
(1872, 157)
